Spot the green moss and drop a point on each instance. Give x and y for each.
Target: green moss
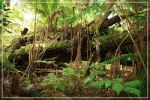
(58, 44)
(23, 50)
(6, 63)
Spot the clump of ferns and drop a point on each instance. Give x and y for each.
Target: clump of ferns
(118, 85)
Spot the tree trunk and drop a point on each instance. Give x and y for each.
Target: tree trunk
(97, 42)
(78, 55)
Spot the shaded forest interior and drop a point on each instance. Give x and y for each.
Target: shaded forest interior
(93, 48)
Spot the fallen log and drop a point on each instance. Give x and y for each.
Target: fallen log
(60, 51)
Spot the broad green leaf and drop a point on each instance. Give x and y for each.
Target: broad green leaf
(132, 91)
(117, 87)
(108, 83)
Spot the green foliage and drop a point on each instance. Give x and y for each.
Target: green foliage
(132, 91)
(122, 58)
(6, 63)
(68, 72)
(98, 69)
(61, 83)
(88, 79)
(97, 84)
(1, 4)
(53, 80)
(119, 80)
(59, 86)
(96, 8)
(133, 84)
(21, 50)
(4, 16)
(58, 44)
(68, 75)
(108, 83)
(118, 85)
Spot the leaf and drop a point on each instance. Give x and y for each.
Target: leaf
(87, 80)
(68, 71)
(97, 84)
(132, 91)
(59, 86)
(108, 83)
(133, 84)
(117, 87)
(119, 80)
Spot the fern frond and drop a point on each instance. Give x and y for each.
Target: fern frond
(108, 83)
(132, 91)
(122, 58)
(117, 87)
(97, 84)
(133, 84)
(119, 80)
(88, 79)
(68, 71)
